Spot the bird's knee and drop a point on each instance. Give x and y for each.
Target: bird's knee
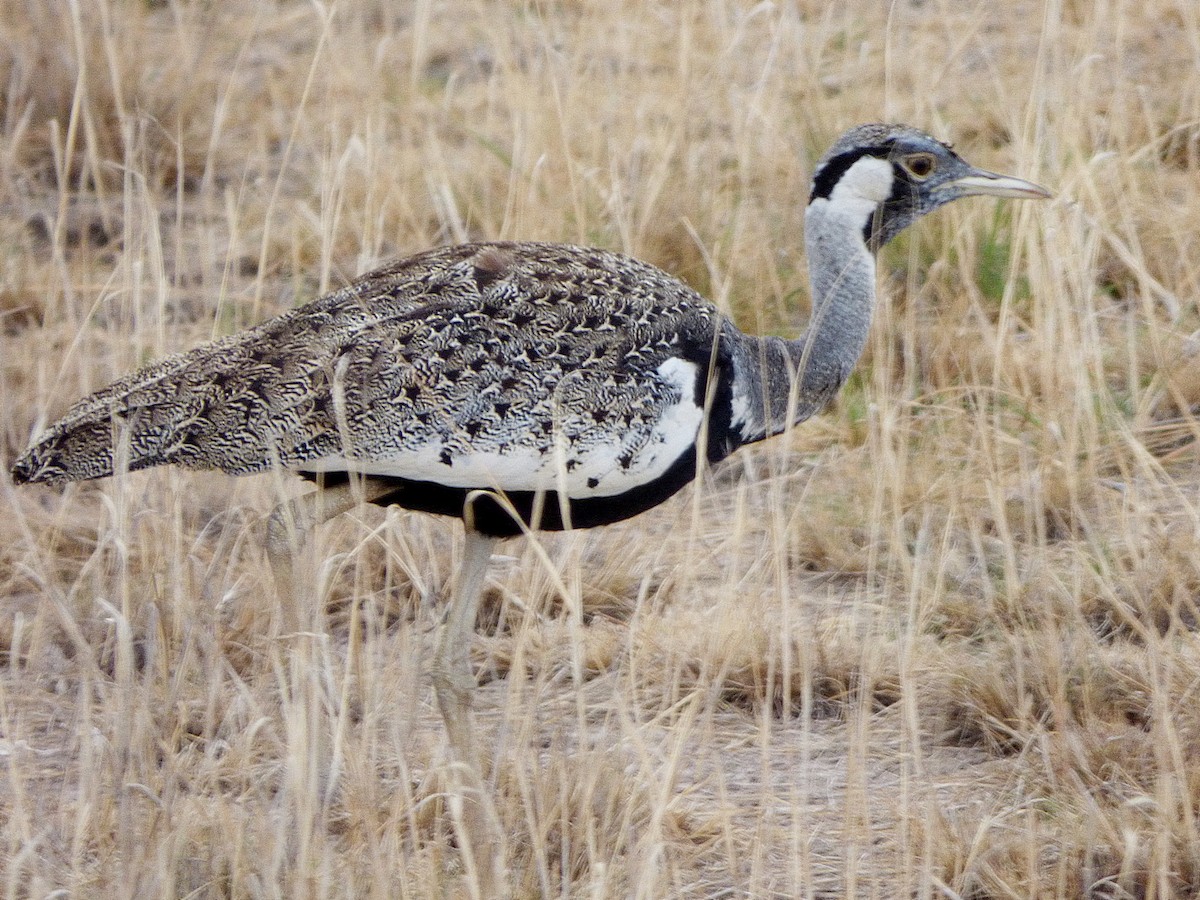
(454, 685)
(277, 537)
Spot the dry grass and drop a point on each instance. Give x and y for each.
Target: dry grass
(940, 642)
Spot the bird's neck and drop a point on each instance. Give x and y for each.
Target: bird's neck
(798, 378)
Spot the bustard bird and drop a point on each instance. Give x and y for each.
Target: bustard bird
(515, 385)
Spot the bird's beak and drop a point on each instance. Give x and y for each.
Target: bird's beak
(981, 182)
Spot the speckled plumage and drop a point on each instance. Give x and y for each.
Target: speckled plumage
(549, 370)
(500, 348)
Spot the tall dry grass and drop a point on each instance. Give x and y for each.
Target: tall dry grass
(939, 642)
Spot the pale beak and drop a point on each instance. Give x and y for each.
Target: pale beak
(981, 182)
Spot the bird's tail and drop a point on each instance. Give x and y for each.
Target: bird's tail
(133, 423)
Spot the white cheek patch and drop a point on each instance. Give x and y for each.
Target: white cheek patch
(855, 197)
(870, 179)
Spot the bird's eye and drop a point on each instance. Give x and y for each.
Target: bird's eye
(919, 165)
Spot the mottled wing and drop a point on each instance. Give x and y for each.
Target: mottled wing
(513, 366)
(554, 367)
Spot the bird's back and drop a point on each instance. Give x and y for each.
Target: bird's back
(518, 366)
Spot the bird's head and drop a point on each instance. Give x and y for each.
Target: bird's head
(891, 175)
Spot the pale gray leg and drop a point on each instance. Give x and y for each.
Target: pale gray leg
(475, 814)
(311, 763)
(475, 817)
(287, 530)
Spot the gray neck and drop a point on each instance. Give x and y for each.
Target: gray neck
(780, 382)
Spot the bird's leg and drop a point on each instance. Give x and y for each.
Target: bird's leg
(288, 528)
(311, 773)
(475, 817)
